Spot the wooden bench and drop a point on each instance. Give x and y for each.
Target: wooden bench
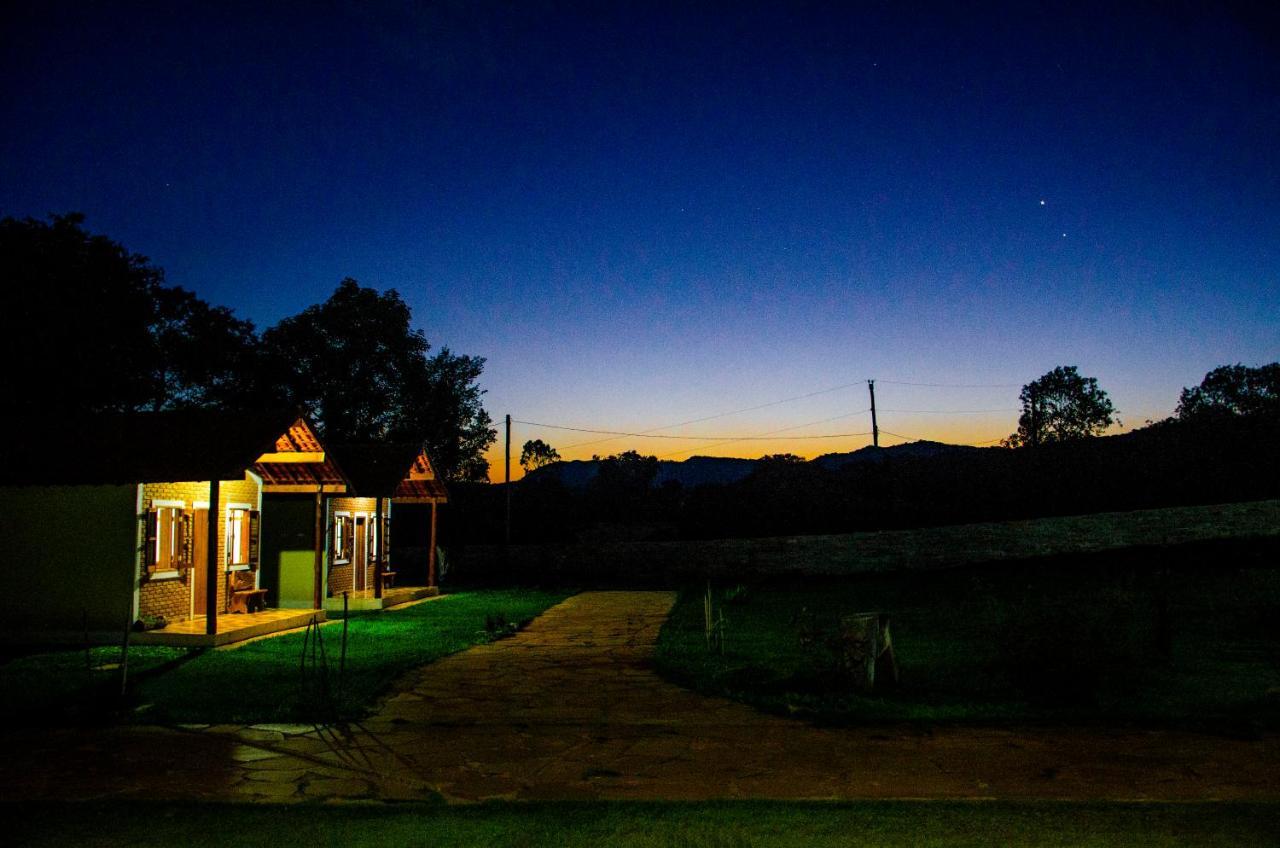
(388, 579)
(242, 595)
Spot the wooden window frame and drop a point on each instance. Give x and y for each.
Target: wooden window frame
(152, 561)
(245, 531)
(341, 536)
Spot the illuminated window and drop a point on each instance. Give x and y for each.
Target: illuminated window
(242, 535)
(167, 545)
(342, 537)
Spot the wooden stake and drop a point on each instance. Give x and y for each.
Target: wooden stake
(215, 574)
(317, 577)
(377, 549)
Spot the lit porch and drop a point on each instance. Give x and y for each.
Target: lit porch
(231, 628)
(365, 599)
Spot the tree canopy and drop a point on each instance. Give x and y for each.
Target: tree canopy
(536, 453)
(1232, 390)
(1061, 406)
(362, 372)
(90, 327)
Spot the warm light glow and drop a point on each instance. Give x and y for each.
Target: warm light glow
(292, 456)
(985, 431)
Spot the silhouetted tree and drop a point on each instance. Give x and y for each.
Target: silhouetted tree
(206, 351)
(449, 410)
(1061, 406)
(537, 453)
(88, 326)
(362, 372)
(626, 471)
(1232, 390)
(782, 459)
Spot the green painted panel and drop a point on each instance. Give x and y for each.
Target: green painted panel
(288, 559)
(70, 557)
(297, 569)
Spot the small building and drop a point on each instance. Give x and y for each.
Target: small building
(109, 524)
(360, 566)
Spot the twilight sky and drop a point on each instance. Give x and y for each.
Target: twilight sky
(643, 214)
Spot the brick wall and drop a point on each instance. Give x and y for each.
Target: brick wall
(341, 574)
(171, 596)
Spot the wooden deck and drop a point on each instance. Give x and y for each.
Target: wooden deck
(364, 600)
(231, 628)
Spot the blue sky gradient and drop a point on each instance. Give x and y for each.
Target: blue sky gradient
(643, 213)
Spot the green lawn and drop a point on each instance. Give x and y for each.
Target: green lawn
(628, 825)
(1074, 640)
(263, 681)
(966, 544)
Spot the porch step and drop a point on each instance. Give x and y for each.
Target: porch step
(231, 628)
(391, 598)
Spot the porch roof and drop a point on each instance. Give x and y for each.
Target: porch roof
(298, 462)
(399, 471)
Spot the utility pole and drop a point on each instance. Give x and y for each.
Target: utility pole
(875, 428)
(507, 534)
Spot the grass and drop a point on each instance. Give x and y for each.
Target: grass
(967, 544)
(648, 825)
(261, 681)
(1069, 640)
(664, 562)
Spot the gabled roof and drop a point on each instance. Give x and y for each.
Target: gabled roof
(421, 485)
(145, 447)
(298, 462)
(399, 471)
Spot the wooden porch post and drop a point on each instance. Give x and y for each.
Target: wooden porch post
(377, 549)
(431, 554)
(317, 577)
(214, 574)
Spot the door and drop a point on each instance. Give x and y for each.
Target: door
(359, 552)
(199, 560)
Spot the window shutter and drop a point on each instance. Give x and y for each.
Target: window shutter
(255, 537)
(150, 540)
(186, 524)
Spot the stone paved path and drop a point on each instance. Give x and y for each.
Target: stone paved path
(570, 709)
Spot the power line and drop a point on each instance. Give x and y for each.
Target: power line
(722, 414)
(771, 433)
(611, 437)
(953, 385)
(752, 438)
(914, 439)
(952, 411)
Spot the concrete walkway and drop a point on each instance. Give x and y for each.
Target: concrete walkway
(570, 709)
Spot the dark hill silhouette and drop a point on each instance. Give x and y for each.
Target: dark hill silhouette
(922, 449)
(723, 470)
(694, 471)
(920, 484)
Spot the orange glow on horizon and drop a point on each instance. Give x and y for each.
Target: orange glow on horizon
(983, 433)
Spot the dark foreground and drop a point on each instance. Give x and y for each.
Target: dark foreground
(720, 825)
